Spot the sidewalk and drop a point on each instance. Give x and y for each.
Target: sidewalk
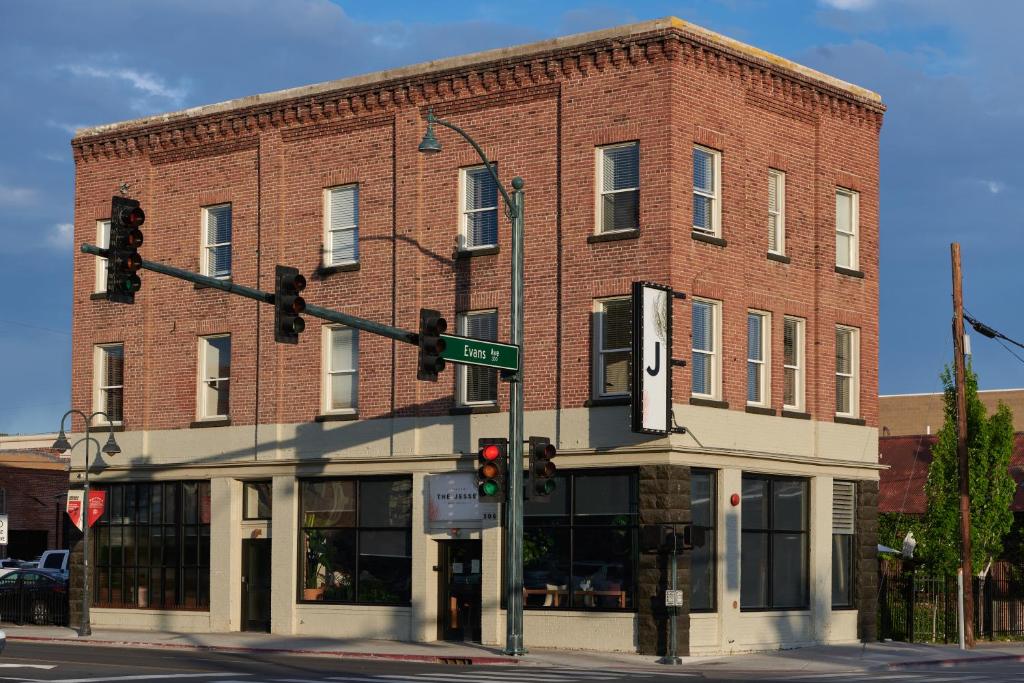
(818, 659)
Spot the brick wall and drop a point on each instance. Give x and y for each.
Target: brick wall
(31, 503)
(539, 114)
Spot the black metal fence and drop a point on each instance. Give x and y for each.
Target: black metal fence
(918, 608)
(24, 603)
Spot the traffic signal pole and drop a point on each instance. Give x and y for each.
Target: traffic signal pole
(395, 333)
(514, 506)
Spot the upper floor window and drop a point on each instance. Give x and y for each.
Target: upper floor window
(793, 363)
(776, 212)
(477, 385)
(847, 228)
(341, 369)
(707, 193)
(102, 241)
(613, 332)
(108, 372)
(216, 256)
(847, 370)
(214, 376)
(705, 361)
(758, 333)
(478, 224)
(341, 241)
(618, 173)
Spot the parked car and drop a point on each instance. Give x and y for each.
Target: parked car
(8, 565)
(35, 596)
(55, 560)
(3, 641)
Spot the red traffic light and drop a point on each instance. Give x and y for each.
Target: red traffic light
(130, 216)
(490, 452)
(133, 240)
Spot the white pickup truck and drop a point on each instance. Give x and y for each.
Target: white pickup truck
(54, 560)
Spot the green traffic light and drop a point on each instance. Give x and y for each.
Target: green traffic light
(489, 488)
(546, 488)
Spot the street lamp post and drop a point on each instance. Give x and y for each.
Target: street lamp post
(514, 504)
(110, 448)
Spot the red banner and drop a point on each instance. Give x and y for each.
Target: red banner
(75, 507)
(97, 499)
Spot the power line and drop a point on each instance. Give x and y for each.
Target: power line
(992, 333)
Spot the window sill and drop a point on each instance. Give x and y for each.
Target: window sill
(98, 296)
(708, 239)
(197, 285)
(336, 417)
(474, 410)
(614, 236)
(708, 402)
(777, 610)
(781, 258)
(324, 271)
(796, 415)
(608, 401)
(201, 424)
(760, 410)
(850, 272)
(857, 421)
(104, 427)
(844, 608)
(473, 253)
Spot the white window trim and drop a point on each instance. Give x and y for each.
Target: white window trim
(204, 258)
(779, 178)
(716, 350)
(598, 350)
(463, 211)
(200, 379)
(98, 372)
(715, 197)
(798, 388)
(460, 370)
(328, 247)
(102, 241)
(599, 186)
(854, 234)
(854, 372)
(329, 372)
(766, 358)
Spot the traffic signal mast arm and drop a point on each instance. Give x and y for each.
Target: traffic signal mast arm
(268, 297)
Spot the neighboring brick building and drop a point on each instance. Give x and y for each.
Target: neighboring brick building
(323, 462)
(913, 414)
(33, 484)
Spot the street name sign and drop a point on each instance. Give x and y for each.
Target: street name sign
(488, 354)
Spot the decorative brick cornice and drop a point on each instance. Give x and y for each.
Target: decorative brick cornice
(466, 84)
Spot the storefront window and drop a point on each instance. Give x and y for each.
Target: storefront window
(357, 540)
(702, 558)
(580, 547)
(774, 550)
(152, 546)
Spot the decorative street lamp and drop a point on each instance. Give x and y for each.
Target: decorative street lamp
(110, 448)
(514, 507)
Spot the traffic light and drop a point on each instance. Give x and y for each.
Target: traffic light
(288, 282)
(432, 326)
(491, 470)
(540, 478)
(123, 260)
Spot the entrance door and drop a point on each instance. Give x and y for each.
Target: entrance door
(459, 581)
(256, 584)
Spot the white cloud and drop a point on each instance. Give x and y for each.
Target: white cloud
(16, 196)
(150, 84)
(61, 236)
(994, 186)
(849, 5)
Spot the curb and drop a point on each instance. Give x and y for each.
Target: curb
(343, 654)
(955, 661)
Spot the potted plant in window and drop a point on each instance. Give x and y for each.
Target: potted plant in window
(317, 569)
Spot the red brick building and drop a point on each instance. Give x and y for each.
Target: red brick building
(33, 483)
(656, 151)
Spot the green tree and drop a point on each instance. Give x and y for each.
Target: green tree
(989, 445)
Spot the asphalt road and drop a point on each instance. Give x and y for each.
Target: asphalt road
(25, 662)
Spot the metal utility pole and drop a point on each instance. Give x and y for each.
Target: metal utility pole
(961, 447)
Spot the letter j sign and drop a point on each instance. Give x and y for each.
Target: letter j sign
(652, 364)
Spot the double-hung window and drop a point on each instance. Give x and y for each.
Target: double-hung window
(618, 177)
(707, 205)
(341, 369)
(844, 505)
(702, 558)
(216, 256)
(341, 239)
(847, 224)
(774, 545)
(704, 361)
(613, 343)
(477, 385)
(758, 343)
(214, 376)
(776, 212)
(103, 241)
(847, 370)
(479, 209)
(109, 382)
(793, 364)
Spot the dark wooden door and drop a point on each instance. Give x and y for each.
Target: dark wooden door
(256, 584)
(459, 581)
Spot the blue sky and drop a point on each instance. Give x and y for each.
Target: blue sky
(951, 144)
